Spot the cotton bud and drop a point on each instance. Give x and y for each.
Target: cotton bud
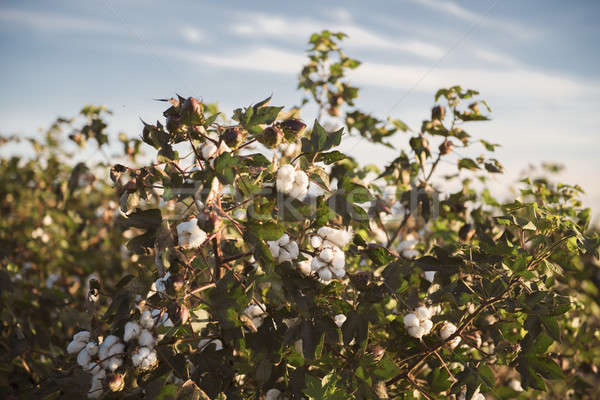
(515, 385)
(192, 107)
(116, 383)
(446, 147)
(270, 137)
(339, 320)
(292, 129)
(234, 136)
(430, 276)
(466, 232)
(438, 113)
(204, 344)
(190, 235)
(410, 320)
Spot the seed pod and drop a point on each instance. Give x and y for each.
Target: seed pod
(271, 137)
(234, 136)
(192, 106)
(438, 113)
(466, 232)
(376, 351)
(292, 129)
(116, 383)
(446, 147)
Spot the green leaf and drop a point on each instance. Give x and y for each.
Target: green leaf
(467, 163)
(379, 255)
(225, 168)
(330, 157)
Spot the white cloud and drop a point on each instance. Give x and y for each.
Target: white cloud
(455, 10)
(192, 35)
(58, 22)
(277, 26)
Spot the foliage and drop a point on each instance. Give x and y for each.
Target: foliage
(305, 275)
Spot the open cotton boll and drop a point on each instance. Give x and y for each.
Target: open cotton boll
(339, 259)
(317, 264)
(131, 331)
(209, 150)
(326, 255)
(284, 249)
(82, 336)
(272, 394)
(422, 313)
(515, 385)
(305, 266)
(109, 350)
(284, 239)
(256, 314)
(339, 320)
(144, 358)
(189, 235)
(84, 358)
(205, 343)
(96, 389)
(325, 274)
(105, 346)
(416, 332)
(75, 347)
(146, 319)
(427, 325)
(430, 276)
(92, 348)
(406, 245)
(410, 253)
(339, 273)
(146, 339)
(448, 329)
(410, 320)
(316, 241)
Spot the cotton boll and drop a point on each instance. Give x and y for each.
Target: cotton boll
(75, 347)
(339, 237)
(92, 348)
(284, 255)
(96, 388)
(427, 325)
(326, 255)
(304, 266)
(339, 273)
(325, 274)
(140, 354)
(422, 313)
(339, 320)
(515, 385)
(410, 320)
(274, 248)
(416, 332)
(189, 235)
(339, 260)
(293, 249)
(284, 186)
(406, 245)
(109, 341)
(146, 339)
(448, 329)
(272, 394)
(316, 241)
(146, 320)
(286, 172)
(301, 179)
(82, 336)
(324, 231)
(113, 363)
(478, 396)
(430, 276)
(410, 253)
(297, 192)
(316, 264)
(209, 150)
(284, 239)
(132, 330)
(84, 358)
(94, 368)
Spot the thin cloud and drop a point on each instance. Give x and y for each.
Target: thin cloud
(277, 26)
(58, 22)
(192, 35)
(455, 10)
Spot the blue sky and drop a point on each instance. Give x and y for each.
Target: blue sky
(535, 62)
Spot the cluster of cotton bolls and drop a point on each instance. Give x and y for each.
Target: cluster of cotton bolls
(256, 313)
(330, 261)
(418, 323)
(292, 182)
(283, 249)
(448, 329)
(144, 357)
(97, 358)
(189, 235)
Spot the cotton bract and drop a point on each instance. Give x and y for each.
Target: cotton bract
(292, 182)
(284, 249)
(189, 235)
